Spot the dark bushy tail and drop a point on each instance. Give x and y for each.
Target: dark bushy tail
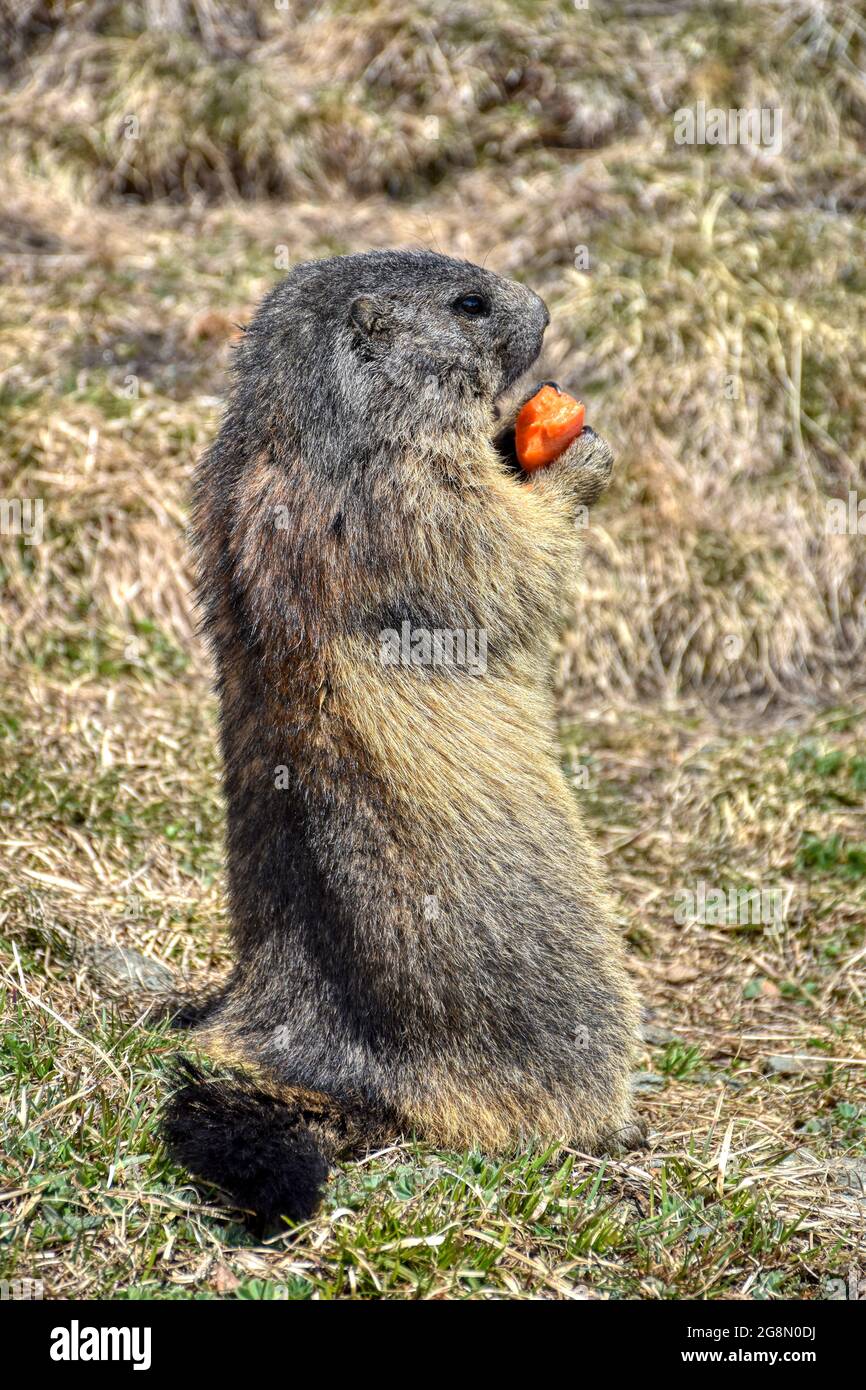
(270, 1150)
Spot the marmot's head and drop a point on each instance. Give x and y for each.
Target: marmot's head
(397, 342)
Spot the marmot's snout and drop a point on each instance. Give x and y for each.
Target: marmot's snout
(526, 324)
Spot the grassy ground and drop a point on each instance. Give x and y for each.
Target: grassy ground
(714, 721)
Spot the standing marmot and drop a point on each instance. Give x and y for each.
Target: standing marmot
(423, 941)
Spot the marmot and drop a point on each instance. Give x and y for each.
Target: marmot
(422, 936)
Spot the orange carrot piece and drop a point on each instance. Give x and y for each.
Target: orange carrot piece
(545, 427)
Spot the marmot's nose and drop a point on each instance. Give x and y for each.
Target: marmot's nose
(540, 311)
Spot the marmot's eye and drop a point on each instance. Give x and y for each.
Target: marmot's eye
(473, 305)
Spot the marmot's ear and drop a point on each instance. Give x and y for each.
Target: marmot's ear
(370, 316)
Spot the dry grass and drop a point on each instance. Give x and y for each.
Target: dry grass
(750, 1187)
(714, 667)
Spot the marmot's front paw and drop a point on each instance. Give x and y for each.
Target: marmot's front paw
(590, 462)
(581, 474)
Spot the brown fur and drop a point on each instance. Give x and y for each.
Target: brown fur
(420, 923)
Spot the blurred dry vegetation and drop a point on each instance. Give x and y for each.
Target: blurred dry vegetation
(717, 334)
(161, 164)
